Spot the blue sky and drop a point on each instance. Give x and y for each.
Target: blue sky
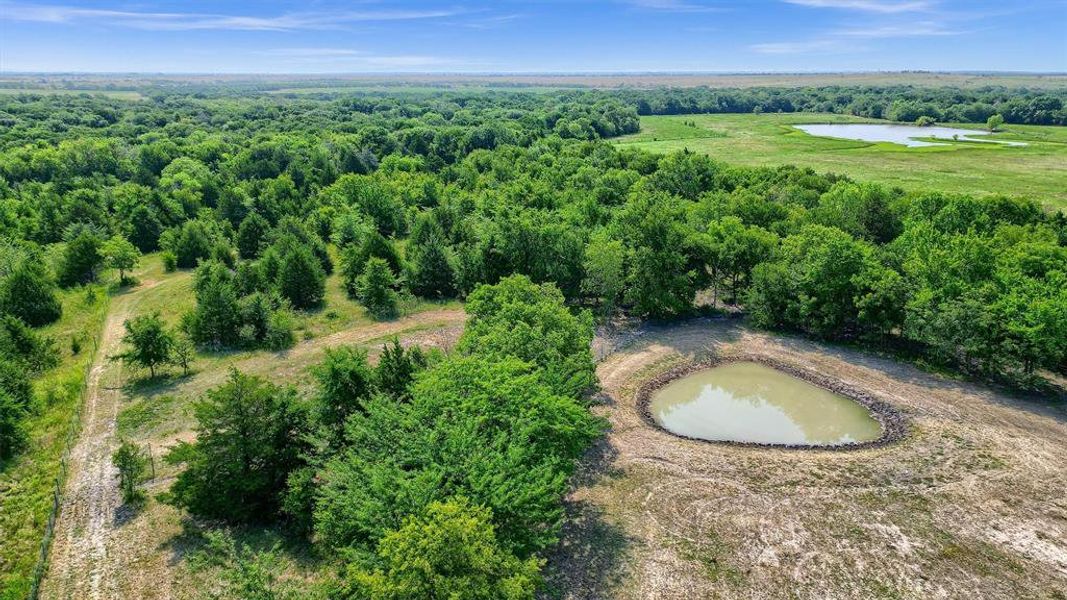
(326, 36)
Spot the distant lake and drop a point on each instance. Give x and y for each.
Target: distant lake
(898, 134)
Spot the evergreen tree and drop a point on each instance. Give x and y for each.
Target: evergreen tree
(346, 382)
(249, 437)
(251, 235)
(301, 279)
(376, 289)
(432, 273)
(12, 432)
(29, 293)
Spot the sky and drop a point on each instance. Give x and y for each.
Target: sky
(535, 36)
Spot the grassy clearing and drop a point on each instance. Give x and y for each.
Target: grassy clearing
(156, 413)
(1038, 170)
(26, 483)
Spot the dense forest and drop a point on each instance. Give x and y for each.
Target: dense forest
(513, 203)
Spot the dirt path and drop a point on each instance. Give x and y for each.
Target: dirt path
(969, 505)
(102, 550)
(80, 565)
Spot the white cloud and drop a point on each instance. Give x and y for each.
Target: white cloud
(175, 21)
(876, 6)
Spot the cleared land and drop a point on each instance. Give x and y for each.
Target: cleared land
(969, 505)
(1038, 170)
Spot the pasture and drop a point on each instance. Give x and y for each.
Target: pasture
(1038, 170)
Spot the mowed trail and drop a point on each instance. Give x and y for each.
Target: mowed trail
(101, 549)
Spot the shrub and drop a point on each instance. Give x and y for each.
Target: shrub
(133, 467)
(170, 261)
(279, 331)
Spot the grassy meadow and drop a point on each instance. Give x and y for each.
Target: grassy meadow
(1038, 170)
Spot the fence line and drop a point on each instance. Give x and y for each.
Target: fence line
(61, 478)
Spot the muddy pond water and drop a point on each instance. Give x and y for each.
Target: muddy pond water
(752, 402)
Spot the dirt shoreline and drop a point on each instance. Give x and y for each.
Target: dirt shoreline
(968, 503)
(893, 424)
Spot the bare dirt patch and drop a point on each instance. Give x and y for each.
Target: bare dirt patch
(969, 505)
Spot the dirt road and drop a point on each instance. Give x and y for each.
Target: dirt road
(81, 564)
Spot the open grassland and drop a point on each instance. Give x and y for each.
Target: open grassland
(27, 482)
(1038, 170)
(969, 505)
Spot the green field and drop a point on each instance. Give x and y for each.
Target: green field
(1038, 170)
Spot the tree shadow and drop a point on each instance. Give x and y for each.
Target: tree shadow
(590, 559)
(126, 512)
(151, 386)
(257, 538)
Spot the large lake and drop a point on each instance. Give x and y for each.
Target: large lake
(898, 134)
(751, 402)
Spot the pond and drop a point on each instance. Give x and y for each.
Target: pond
(751, 402)
(898, 134)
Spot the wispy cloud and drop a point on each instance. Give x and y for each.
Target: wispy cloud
(678, 6)
(355, 59)
(491, 21)
(919, 29)
(805, 47)
(875, 6)
(184, 21)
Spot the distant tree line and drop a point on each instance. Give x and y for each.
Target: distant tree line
(895, 103)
